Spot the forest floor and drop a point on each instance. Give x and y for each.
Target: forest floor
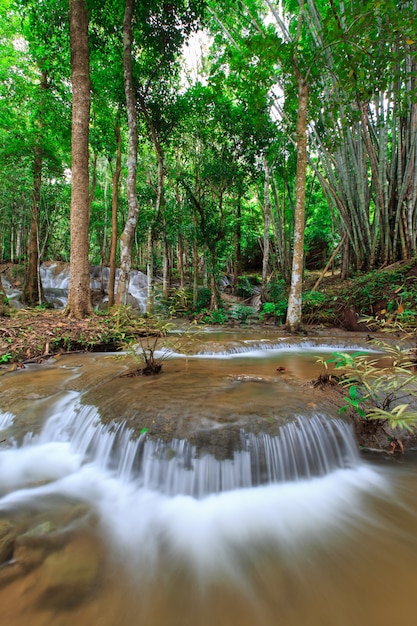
(385, 299)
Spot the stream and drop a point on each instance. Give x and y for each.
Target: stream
(227, 490)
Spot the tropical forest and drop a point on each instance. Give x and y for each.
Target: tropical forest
(208, 311)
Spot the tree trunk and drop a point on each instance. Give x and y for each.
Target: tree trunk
(195, 259)
(237, 259)
(32, 291)
(215, 296)
(4, 305)
(133, 210)
(293, 321)
(79, 298)
(114, 205)
(267, 227)
(150, 272)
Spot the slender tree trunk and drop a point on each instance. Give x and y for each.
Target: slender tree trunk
(180, 247)
(126, 238)
(32, 291)
(160, 196)
(166, 266)
(195, 259)
(293, 321)
(114, 206)
(215, 297)
(79, 298)
(180, 260)
(150, 272)
(4, 305)
(237, 260)
(267, 228)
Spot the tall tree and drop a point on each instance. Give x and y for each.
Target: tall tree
(133, 213)
(79, 298)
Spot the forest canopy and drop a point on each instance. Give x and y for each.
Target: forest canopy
(220, 138)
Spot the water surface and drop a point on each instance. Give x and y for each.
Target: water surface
(223, 491)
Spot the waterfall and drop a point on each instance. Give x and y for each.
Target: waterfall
(303, 449)
(290, 489)
(56, 284)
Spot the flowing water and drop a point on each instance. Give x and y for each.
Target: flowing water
(225, 491)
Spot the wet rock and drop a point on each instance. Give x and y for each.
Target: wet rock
(9, 572)
(34, 546)
(245, 378)
(28, 557)
(66, 577)
(7, 540)
(350, 320)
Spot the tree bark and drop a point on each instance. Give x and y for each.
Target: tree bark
(293, 321)
(267, 227)
(126, 238)
(79, 298)
(114, 206)
(150, 272)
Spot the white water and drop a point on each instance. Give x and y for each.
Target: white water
(6, 420)
(293, 529)
(58, 284)
(264, 349)
(291, 490)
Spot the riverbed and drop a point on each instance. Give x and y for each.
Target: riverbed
(225, 490)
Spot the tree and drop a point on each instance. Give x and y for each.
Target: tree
(153, 35)
(79, 299)
(132, 217)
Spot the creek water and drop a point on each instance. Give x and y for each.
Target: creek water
(224, 491)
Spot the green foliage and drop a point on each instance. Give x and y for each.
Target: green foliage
(277, 290)
(121, 316)
(275, 311)
(203, 299)
(353, 401)
(312, 300)
(241, 313)
(179, 302)
(243, 287)
(383, 388)
(215, 317)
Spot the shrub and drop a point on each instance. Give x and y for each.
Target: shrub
(215, 317)
(203, 298)
(312, 300)
(240, 312)
(277, 290)
(275, 311)
(243, 287)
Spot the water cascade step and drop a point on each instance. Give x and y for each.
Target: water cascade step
(304, 448)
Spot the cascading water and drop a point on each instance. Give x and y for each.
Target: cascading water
(289, 526)
(56, 284)
(304, 449)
